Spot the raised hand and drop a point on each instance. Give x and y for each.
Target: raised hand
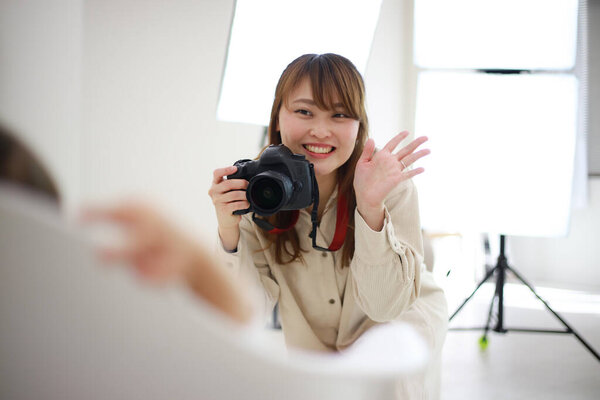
(160, 254)
(378, 172)
(155, 249)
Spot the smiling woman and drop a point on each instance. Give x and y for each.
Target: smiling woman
(330, 299)
(326, 136)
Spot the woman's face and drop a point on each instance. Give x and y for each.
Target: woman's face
(326, 137)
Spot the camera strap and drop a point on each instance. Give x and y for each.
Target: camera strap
(341, 221)
(341, 225)
(267, 226)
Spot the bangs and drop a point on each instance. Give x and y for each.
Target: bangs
(333, 86)
(333, 79)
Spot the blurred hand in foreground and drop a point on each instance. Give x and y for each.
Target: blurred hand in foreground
(159, 253)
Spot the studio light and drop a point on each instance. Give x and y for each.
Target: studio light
(503, 34)
(266, 35)
(502, 151)
(498, 96)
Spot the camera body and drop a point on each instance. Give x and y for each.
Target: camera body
(279, 180)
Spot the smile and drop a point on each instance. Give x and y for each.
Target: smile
(318, 149)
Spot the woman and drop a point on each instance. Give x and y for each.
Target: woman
(328, 299)
(374, 273)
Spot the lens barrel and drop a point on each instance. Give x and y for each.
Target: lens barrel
(269, 191)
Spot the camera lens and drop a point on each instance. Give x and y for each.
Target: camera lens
(266, 194)
(269, 191)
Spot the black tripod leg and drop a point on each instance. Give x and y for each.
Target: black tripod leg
(487, 276)
(571, 330)
(483, 340)
(489, 318)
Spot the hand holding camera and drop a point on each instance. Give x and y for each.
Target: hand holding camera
(228, 196)
(279, 180)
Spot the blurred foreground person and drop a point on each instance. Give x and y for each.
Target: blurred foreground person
(20, 167)
(155, 249)
(72, 329)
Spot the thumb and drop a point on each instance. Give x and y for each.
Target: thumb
(367, 152)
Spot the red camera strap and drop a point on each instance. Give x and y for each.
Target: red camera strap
(295, 215)
(341, 224)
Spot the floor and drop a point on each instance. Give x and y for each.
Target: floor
(514, 365)
(519, 365)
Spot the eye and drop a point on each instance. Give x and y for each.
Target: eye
(340, 115)
(303, 112)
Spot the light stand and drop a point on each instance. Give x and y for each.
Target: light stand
(500, 270)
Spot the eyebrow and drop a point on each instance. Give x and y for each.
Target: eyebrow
(312, 103)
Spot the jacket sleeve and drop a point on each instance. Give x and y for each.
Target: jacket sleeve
(249, 264)
(386, 264)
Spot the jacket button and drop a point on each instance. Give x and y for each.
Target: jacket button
(323, 254)
(331, 301)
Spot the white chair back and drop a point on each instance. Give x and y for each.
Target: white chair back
(71, 328)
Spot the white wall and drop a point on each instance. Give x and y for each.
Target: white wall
(120, 96)
(40, 83)
(151, 80)
(575, 260)
(594, 83)
(387, 78)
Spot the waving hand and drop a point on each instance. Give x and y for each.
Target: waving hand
(378, 172)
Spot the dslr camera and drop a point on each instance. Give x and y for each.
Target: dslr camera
(279, 180)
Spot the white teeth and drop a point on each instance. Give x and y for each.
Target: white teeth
(318, 149)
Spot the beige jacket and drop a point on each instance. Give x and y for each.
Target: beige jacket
(325, 307)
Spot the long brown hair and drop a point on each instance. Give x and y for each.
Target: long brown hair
(331, 77)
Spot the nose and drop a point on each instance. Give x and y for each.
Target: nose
(320, 130)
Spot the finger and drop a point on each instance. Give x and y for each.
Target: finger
(234, 184)
(217, 190)
(367, 152)
(138, 243)
(219, 173)
(151, 272)
(234, 195)
(395, 141)
(409, 148)
(237, 205)
(412, 158)
(227, 186)
(409, 173)
(121, 215)
(152, 268)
